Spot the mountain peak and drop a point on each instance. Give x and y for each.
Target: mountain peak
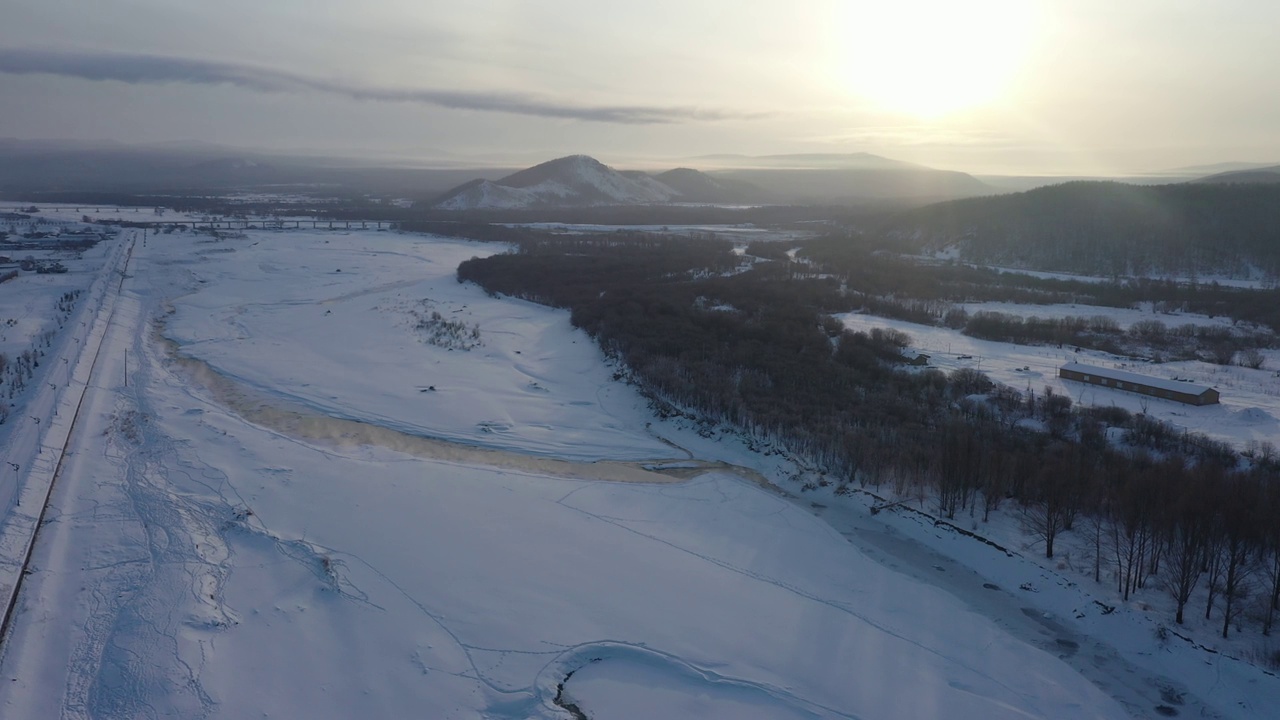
(573, 180)
(567, 167)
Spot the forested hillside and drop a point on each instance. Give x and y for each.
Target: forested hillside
(1107, 228)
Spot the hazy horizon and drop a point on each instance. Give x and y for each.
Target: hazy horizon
(991, 87)
(435, 159)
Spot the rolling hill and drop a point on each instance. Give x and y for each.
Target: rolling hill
(580, 181)
(1108, 228)
(1252, 175)
(840, 178)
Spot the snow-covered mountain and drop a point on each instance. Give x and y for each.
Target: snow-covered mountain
(579, 180)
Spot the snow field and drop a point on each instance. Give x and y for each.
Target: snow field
(492, 585)
(1124, 317)
(31, 299)
(1250, 402)
(677, 667)
(1059, 608)
(327, 319)
(211, 563)
(464, 590)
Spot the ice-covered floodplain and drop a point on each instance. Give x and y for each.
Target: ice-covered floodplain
(201, 565)
(333, 320)
(1250, 399)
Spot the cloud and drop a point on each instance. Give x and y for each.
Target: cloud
(155, 69)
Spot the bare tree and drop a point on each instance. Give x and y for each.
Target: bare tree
(1251, 358)
(1239, 542)
(1271, 553)
(1047, 512)
(1132, 529)
(1186, 541)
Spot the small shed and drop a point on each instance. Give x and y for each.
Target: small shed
(915, 357)
(1177, 390)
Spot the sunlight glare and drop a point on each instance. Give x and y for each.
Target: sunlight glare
(930, 58)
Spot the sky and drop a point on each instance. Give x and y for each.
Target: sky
(1084, 87)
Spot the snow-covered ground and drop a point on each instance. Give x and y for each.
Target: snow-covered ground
(205, 559)
(1250, 401)
(1123, 317)
(28, 302)
(1128, 648)
(45, 314)
(330, 320)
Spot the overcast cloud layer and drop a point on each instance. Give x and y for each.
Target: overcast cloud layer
(142, 69)
(1015, 86)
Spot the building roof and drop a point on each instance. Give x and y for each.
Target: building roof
(1178, 386)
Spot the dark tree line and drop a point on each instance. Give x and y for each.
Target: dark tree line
(754, 346)
(1213, 343)
(772, 215)
(911, 290)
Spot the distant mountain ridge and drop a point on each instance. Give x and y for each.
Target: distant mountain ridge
(1108, 229)
(840, 178)
(838, 186)
(1264, 174)
(70, 166)
(580, 180)
(809, 161)
(697, 186)
(1217, 168)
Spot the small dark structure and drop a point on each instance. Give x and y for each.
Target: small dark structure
(1183, 392)
(915, 357)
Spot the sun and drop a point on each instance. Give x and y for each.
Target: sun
(930, 58)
